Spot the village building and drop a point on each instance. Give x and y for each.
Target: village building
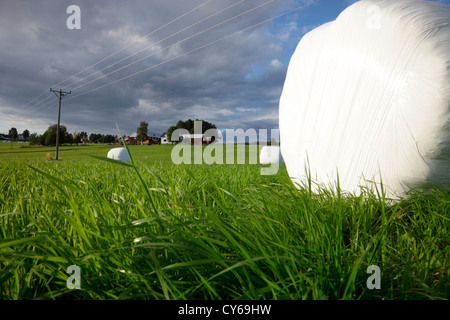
(132, 139)
(164, 139)
(196, 139)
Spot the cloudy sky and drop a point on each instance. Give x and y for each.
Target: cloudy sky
(223, 61)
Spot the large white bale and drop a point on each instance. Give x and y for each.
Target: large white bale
(269, 155)
(367, 98)
(118, 154)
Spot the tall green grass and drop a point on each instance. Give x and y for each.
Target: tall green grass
(154, 230)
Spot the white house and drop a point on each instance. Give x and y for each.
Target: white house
(164, 139)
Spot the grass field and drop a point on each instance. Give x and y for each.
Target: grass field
(158, 230)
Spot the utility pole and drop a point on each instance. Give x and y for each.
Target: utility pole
(60, 96)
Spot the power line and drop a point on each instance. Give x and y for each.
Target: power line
(196, 49)
(133, 43)
(125, 47)
(178, 56)
(155, 44)
(35, 106)
(44, 92)
(116, 52)
(176, 43)
(183, 40)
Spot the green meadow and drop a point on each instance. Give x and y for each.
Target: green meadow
(151, 229)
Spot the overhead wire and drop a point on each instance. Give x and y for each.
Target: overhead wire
(133, 43)
(158, 42)
(132, 63)
(177, 43)
(170, 46)
(111, 55)
(196, 49)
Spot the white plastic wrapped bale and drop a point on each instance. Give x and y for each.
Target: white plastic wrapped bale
(367, 99)
(118, 154)
(270, 154)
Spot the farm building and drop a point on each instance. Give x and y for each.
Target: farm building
(132, 139)
(152, 140)
(164, 139)
(196, 139)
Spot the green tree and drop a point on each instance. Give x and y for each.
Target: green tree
(109, 138)
(69, 138)
(83, 136)
(95, 138)
(50, 135)
(189, 125)
(13, 133)
(169, 133)
(207, 126)
(35, 139)
(26, 134)
(76, 138)
(142, 131)
(180, 125)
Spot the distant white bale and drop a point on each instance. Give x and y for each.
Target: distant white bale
(118, 154)
(270, 155)
(367, 98)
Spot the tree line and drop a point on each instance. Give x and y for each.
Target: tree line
(189, 126)
(48, 138)
(13, 134)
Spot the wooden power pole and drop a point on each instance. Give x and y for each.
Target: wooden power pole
(59, 94)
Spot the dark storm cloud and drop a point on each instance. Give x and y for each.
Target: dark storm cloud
(235, 82)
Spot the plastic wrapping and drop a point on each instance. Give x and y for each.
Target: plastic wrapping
(366, 99)
(270, 154)
(118, 154)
